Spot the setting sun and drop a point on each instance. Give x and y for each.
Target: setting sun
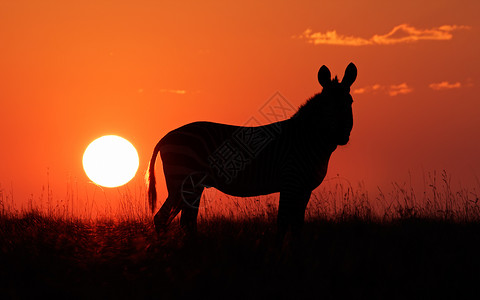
(110, 161)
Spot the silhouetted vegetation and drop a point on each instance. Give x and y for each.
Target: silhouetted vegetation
(348, 250)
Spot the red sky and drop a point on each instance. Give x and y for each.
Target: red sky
(72, 72)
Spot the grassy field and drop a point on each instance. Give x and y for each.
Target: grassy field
(416, 248)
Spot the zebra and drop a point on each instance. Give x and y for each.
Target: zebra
(289, 157)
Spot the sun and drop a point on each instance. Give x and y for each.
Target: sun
(110, 161)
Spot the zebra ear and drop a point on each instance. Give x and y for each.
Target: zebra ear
(350, 75)
(324, 76)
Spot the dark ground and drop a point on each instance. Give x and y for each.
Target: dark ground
(403, 259)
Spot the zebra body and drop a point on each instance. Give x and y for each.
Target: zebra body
(290, 157)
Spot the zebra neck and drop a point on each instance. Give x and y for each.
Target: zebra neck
(310, 133)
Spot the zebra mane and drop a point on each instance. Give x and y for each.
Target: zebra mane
(309, 106)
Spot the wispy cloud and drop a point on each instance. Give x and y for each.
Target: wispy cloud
(399, 89)
(332, 38)
(391, 90)
(445, 85)
(402, 33)
(179, 92)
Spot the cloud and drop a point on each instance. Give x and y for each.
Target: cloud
(332, 38)
(363, 90)
(402, 33)
(399, 89)
(391, 90)
(359, 91)
(179, 92)
(445, 85)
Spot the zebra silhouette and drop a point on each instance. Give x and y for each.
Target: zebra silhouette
(290, 157)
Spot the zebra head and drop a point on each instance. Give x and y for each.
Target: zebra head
(336, 104)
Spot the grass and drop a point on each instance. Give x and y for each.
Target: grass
(409, 246)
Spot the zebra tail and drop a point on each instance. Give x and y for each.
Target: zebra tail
(150, 179)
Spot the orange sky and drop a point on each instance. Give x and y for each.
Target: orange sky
(72, 72)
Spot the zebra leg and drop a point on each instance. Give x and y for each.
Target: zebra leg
(188, 219)
(291, 213)
(166, 214)
(191, 191)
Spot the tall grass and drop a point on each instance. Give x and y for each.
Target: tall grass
(336, 199)
(89, 203)
(400, 243)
